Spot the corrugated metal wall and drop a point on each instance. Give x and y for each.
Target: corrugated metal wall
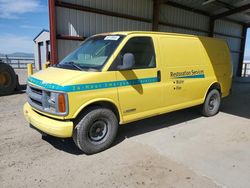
(140, 8)
(229, 28)
(80, 23)
(172, 15)
(186, 18)
(72, 22)
(64, 47)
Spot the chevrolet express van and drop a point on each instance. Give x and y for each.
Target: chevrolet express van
(116, 78)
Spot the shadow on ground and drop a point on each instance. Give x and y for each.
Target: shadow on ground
(19, 90)
(238, 103)
(66, 145)
(22, 87)
(132, 129)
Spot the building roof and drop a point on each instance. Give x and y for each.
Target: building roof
(237, 10)
(44, 30)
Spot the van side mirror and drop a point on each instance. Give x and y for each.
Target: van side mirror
(128, 62)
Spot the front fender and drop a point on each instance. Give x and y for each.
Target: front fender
(93, 101)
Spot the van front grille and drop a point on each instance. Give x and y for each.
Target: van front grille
(40, 100)
(35, 97)
(36, 102)
(37, 91)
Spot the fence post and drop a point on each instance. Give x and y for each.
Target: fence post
(245, 69)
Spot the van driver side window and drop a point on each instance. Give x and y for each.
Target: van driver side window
(143, 50)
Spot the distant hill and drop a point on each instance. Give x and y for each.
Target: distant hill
(18, 54)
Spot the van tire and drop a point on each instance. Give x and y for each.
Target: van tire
(96, 131)
(212, 103)
(8, 78)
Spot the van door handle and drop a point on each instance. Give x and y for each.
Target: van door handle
(159, 75)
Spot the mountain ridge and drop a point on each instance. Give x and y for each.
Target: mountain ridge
(17, 54)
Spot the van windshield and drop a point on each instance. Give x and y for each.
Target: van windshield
(92, 54)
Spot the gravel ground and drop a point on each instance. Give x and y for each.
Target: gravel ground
(179, 149)
(27, 160)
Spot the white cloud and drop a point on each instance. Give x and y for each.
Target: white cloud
(29, 27)
(12, 9)
(12, 43)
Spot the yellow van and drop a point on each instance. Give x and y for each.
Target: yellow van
(116, 78)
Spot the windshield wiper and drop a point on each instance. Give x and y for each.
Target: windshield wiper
(90, 68)
(74, 65)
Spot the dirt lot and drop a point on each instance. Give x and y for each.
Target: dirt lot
(180, 149)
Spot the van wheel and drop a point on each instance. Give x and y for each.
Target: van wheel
(96, 131)
(8, 79)
(211, 105)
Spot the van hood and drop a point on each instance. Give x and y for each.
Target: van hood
(56, 76)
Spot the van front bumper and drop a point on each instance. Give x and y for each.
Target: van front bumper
(62, 129)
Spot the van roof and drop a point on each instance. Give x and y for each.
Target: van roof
(145, 32)
(160, 33)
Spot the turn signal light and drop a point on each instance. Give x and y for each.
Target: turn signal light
(61, 103)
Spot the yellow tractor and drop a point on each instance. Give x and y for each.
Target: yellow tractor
(8, 79)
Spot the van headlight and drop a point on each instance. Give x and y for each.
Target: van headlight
(56, 103)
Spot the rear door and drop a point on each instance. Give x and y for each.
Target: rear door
(141, 92)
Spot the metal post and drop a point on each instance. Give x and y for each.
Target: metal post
(245, 70)
(242, 51)
(53, 32)
(211, 27)
(29, 69)
(156, 11)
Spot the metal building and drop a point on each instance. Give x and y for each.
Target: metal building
(71, 21)
(42, 48)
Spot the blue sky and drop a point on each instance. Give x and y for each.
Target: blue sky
(247, 50)
(22, 20)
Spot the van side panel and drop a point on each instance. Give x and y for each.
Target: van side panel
(186, 75)
(217, 53)
(186, 71)
(189, 65)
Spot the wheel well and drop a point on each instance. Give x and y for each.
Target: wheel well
(104, 104)
(215, 86)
